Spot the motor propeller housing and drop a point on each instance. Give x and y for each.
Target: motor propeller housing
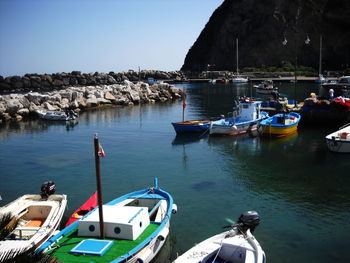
(249, 220)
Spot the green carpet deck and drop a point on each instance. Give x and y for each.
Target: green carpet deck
(119, 248)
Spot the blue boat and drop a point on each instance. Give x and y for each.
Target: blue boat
(247, 119)
(192, 126)
(136, 227)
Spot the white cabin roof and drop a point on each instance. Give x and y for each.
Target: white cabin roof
(115, 214)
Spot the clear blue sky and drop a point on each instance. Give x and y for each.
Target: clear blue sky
(49, 36)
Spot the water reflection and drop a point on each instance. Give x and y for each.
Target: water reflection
(296, 168)
(33, 126)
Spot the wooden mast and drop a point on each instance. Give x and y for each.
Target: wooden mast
(320, 62)
(99, 188)
(237, 56)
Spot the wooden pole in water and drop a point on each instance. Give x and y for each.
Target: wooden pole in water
(99, 188)
(183, 105)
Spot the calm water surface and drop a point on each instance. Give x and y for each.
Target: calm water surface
(301, 190)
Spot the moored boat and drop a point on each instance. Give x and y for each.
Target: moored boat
(33, 218)
(131, 228)
(57, 115)
(281, 124)
(136, 226)
(235, 245)
(191, 126)
(249, 115)
(85, 208)
(265, 87)
(339, 141)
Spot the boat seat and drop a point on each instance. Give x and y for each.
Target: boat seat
(36, 222)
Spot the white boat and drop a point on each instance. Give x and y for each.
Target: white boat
(237, 245)
(265, 87)
(238, 78)
(342, 83)
(57, 115)
(339, 141)
(33, 220)
(247, 119)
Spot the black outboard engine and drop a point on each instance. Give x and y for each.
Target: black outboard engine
(47, 188)
(249, 220)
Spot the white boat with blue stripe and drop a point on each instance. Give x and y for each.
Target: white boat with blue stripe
(248, 116)
(136, 226)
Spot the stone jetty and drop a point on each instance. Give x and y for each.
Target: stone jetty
(19, 105)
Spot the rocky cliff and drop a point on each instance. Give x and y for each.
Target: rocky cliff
(261, 26)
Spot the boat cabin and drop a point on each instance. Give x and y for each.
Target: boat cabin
(249, 109)
(120, 222)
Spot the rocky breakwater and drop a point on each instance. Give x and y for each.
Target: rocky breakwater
(16, 106)
(48, 82)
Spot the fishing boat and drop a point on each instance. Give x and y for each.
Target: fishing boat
(32, 219)
(238, 79)
(280, 124)
(247, 119)
(57, 115)
(339, 141)
(89, 205)
(236, 245)
(131, 228)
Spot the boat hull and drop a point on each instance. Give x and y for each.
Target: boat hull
(265, 91)
(228, 247)
(233, 129)
(191, 126)
(239, 80)
(339, 141)
(90, 204)
(228, 127)
(280, 124)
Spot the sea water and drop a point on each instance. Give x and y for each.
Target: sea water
(299, 188)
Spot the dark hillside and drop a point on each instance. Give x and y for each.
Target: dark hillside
(261, 27)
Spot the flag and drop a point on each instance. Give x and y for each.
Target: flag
(101, 152)
(183, 95)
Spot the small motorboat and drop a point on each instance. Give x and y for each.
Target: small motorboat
(33, 218)
(90, 204)
(191, 126)
(57, 115)
(236, 245)
(281, 124)
(247, 119)
(339, 141)
(265, 87)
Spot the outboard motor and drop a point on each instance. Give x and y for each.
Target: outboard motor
(47, 188)
(249, 220)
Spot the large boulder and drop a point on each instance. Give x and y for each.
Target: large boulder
(12, 106)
